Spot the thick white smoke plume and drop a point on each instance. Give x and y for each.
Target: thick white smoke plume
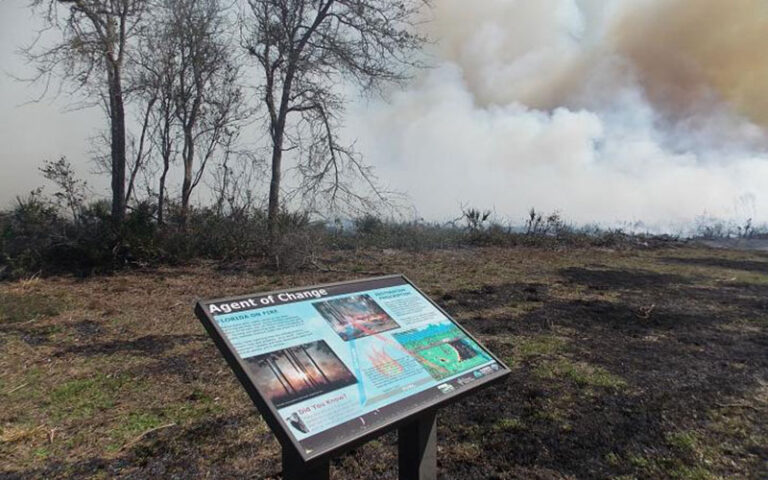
(609, 111)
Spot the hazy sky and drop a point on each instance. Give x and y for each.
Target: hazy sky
(607, 110)
(31, 133)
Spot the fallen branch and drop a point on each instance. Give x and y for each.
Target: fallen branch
(138, 439)
(14, 389)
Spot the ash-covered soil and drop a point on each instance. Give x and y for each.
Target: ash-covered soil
(638, 364)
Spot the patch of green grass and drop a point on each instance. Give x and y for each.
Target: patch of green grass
(528, 348)
(684, 441)
(540, 345)
(554, 411)
(581, 373)
(672, 467)
(754, 278)
(508, 423)
(16, 308)
(189, 412)
(42, 453)
(138, 422)
(613, 459)
(639, 461)
(82, 398)
(131, 426)
(684, 472)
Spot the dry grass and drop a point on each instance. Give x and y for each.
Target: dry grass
(626, 364)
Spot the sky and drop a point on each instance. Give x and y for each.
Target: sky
(608, 111)
(31, 133)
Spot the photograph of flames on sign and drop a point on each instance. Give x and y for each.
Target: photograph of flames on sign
(443, 349)
(356, 316)
(294, 374)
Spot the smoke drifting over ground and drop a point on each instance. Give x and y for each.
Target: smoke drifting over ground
(609, 111)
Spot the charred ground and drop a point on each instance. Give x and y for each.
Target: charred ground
(626, 364)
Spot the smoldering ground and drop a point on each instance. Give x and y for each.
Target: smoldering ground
(608, 111)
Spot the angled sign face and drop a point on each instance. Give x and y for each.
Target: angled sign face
(332, 365)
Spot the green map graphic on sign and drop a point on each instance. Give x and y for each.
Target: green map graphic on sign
(443, 349)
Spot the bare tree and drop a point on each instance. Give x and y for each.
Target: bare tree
(157, 84)
(189, 74)
(304, 49)
(208, 100)
(92, 54)
(164, 136)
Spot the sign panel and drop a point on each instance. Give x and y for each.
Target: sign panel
(330, 364)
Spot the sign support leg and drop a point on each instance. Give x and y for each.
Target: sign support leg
(417, 448)
(294, 468)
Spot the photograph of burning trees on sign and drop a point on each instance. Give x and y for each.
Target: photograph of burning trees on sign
(356, 316)
(294, 374)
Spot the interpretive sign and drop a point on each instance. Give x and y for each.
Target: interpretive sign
(333, 365)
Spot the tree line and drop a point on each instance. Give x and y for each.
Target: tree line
(177, 80)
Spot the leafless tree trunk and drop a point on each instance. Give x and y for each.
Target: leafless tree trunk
(92, 53)
(117, 150)
(158, 83)
(141, 154)
(166, 152)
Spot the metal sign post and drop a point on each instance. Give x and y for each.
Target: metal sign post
(294, 467)
(330, 367)
(417, 448)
